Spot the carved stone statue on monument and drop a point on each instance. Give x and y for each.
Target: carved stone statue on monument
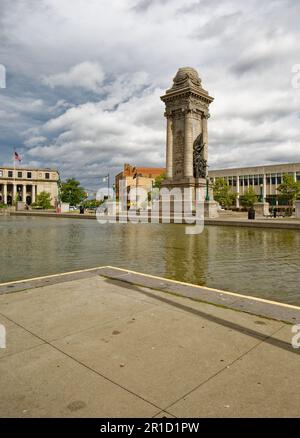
(200, 164)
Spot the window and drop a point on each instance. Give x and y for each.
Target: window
(279, 179)
(255, 181)
(10, 174)
(273, 179)
(1, 173)
(20, 174)
(298, 176)
(29, 175)
(47, 175)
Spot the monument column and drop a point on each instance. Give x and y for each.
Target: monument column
(205, 134)
(188, 145)
(187, 102)
(169, 153)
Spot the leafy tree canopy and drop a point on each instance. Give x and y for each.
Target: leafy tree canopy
(249, 198)
(72, 192)
(43, 200)
(223, 194)
(289, 190)
(158, 181)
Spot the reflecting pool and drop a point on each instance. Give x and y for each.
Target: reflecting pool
(259, 262)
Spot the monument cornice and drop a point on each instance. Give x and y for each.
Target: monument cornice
(187, 92)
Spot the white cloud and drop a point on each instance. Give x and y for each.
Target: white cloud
(106, 63)
(86, 75)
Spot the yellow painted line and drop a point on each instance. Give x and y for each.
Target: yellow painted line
(291, 306)
(50, 276)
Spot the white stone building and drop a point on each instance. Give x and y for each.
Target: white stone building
(263, 179)
(27, 183)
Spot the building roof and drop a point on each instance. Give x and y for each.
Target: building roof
(263, 166)
(30, 169)
(153, 170)
(130, 170)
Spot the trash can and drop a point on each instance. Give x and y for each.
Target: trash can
(251, 213)
(81, 209)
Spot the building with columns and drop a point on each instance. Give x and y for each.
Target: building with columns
(27, 183)
(263, 179)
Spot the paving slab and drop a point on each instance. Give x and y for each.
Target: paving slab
(263, 383)
(17, 339)
(61, 309)
(43, 382)
(161, 353)
(113, 346)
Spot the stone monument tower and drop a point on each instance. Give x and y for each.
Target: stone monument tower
(187, 113)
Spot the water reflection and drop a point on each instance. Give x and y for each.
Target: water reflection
(253, 261)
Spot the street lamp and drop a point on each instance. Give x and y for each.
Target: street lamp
(207, 198)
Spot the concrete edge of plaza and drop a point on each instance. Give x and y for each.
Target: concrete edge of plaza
(274, 310)
(292, 224)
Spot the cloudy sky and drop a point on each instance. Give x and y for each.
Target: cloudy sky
(84, 80)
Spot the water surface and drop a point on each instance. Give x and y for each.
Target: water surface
(258, 262)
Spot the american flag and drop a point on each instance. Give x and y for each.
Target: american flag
(17, 156)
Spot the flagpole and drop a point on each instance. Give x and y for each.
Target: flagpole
(14, 188)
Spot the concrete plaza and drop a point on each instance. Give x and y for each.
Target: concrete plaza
(103, 343)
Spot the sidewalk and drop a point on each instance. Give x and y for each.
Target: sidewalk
(91, 345)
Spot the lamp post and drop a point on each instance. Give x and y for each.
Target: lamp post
(104, 179)
(207, 198)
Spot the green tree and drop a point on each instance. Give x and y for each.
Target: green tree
(92, 203)
(43, 200)
(158, 181)
(72, 192)
(223, 194)
(248, 199)
(289, 191)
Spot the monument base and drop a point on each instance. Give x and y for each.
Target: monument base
(262, 209)
(211, 209)
(20, 206)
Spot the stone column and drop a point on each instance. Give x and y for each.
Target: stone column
(205, 134)
(5, 193)
(14, 192)
(238, 192)
(264, 188)
(23, 191)
(188, 145)
(33, 197)
(169, 153)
